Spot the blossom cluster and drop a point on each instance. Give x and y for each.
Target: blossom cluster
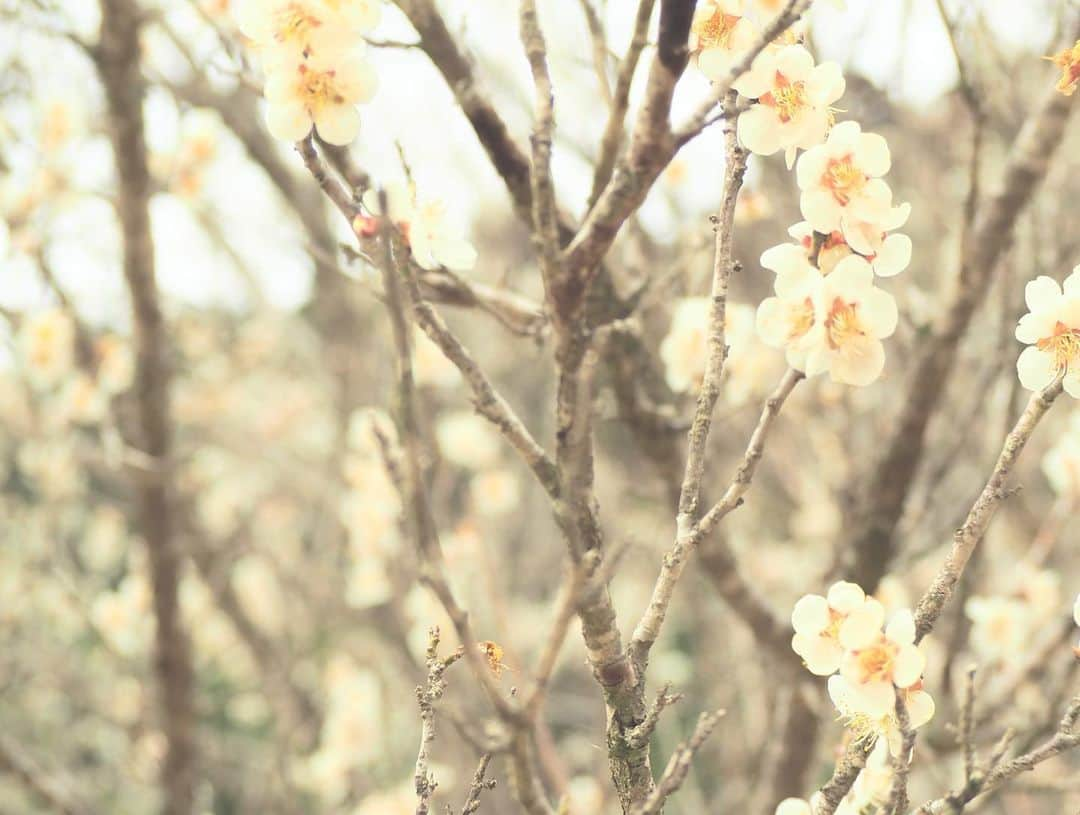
(827, 313)
(870, 661)
(316, 73)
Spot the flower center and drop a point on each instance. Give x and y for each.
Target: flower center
(1064, 344)
(1069, 62)
(844, 179)
(318, 88)
(789, 98)
(875, 664)
(801, 319)
(715, 31)
(842, 325)
(294, 22)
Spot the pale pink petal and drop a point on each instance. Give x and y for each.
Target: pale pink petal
(851, 274)
(901, 628)
(875, 699)
(288, 122)
(338, 124)
(845, 597)
(811, 167)
(1035, 368)
(784, 257)
(820, 209)
(908, 666)
(872, 154)
(1042, 293)
(893, 256)
(794, 62)
(859, 363)
(825, 85)
(863, 625)
(878, 309)
(758, 130)
(810, 614)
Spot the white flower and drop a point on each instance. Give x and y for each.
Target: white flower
(793, 806)
(819, 624)
(1000, 626)
(719, 34)
(494, 492)
(793, 101)
(788, 320)
(875, 661)
(841, 184)
(286, 30)
(891, 253)
(848, 701)
(1052, 331)
(321, 90)
(684, 348)
(851, 319)
(424, 225)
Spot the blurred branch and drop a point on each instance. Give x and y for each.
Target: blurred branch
(117, 58)
(615, 129)
(45, 787)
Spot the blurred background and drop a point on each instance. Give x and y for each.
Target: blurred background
(299, 588)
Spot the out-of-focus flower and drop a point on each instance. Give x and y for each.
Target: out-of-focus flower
(467, 440)
(122, 617)
(841, 183)
(494, 492)
(259, 592)
(752, 206)
(46, 342)
(793, 806)
(685, 347)
(115, 363)
(819, 624)
(1000, 626)
(719, 35)
(794, 99)
(1051, 330)
(1068, 60)
(289, 30)
(875, 661)
(321, 91)
(430, 365)
(368, 584)
(423, 223)
(1062, 463)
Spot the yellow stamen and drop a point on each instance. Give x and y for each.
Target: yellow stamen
(715, 31)
(801, 319)
(844, 179)
(842, 325)
(1069, 62)
(318, 88)
(1064, 344)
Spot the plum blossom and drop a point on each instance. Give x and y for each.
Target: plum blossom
(842, 187)
(1068, 60)
(719, 34)
(46, 344)
(289, 30)
(1051, 330)
(793, 101)
(424, 224)
(881, 723)
(875, 661)
(685, 348)
(321, 91)
(891, 253)
(831, 323)
(1000, 626)
(820, 624)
